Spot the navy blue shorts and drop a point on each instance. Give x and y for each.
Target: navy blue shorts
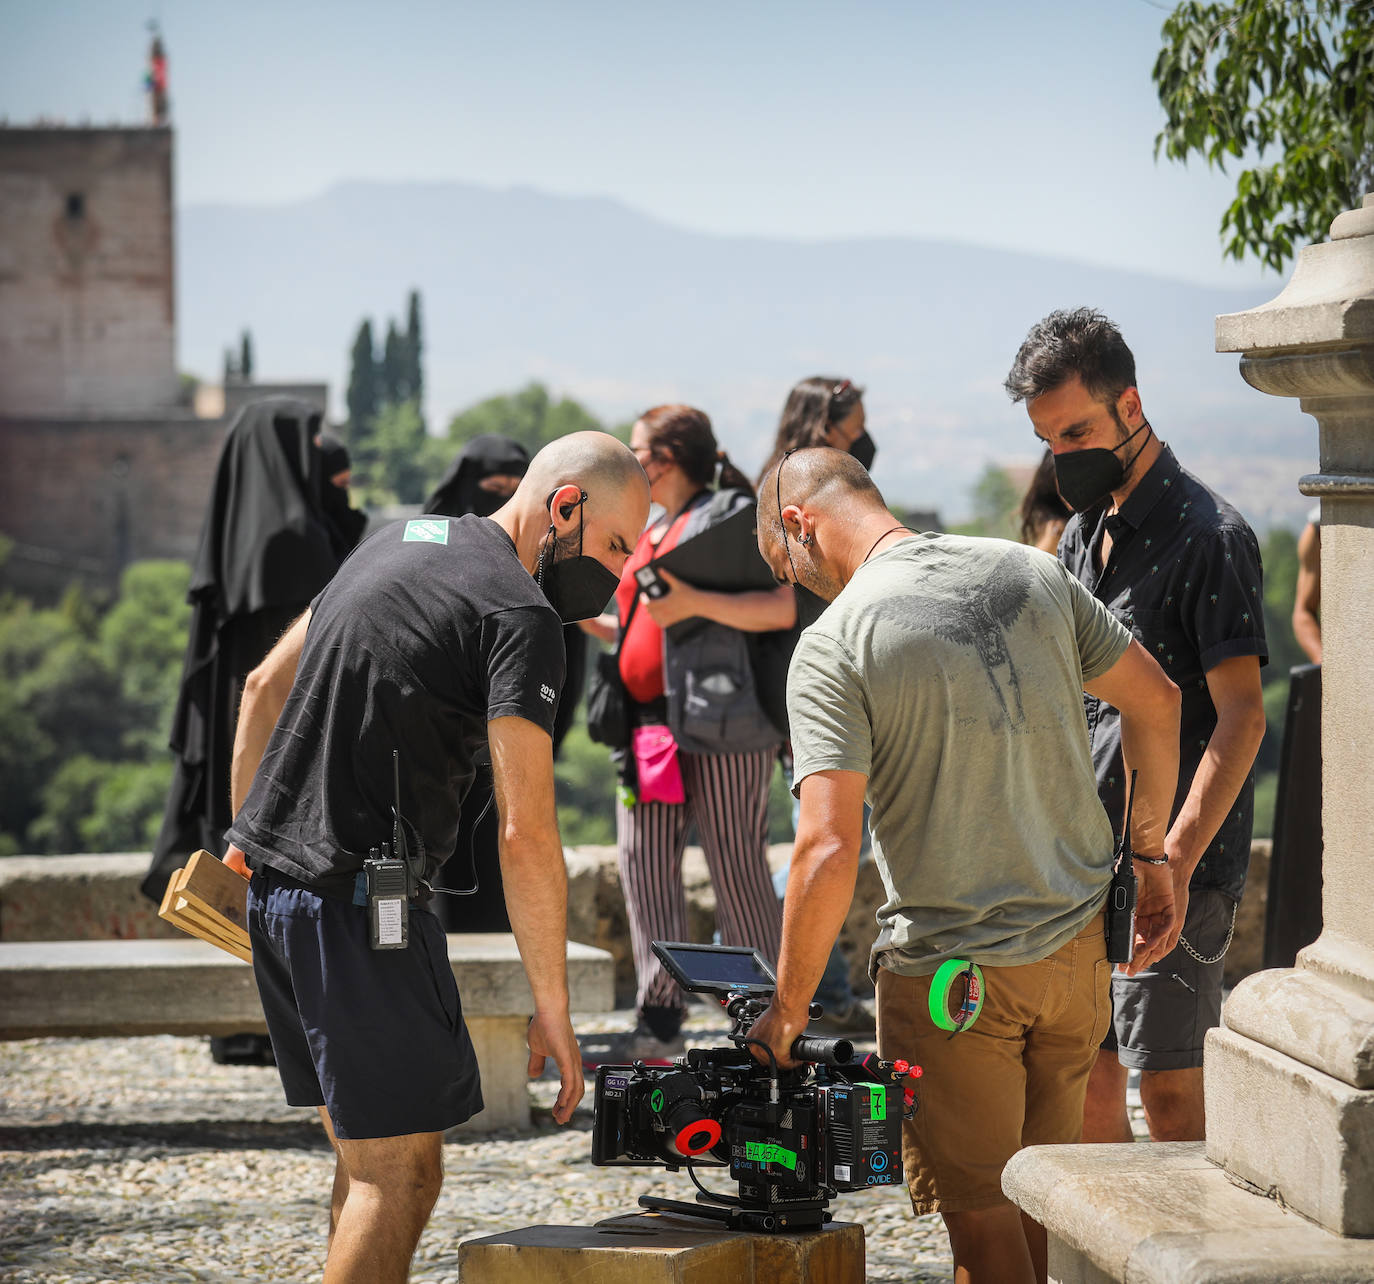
(377, 1036)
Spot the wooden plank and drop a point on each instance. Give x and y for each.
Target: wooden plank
(213, 929)
(207, 899)
(174, 885)
(193, 928)
(216, 888)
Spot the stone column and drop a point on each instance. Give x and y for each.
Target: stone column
(1290, 1075)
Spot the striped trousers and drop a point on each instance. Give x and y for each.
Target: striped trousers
(727, 800)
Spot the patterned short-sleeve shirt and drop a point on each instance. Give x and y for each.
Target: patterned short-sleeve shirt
(1184, 576)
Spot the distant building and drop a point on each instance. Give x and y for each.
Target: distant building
(103, 457)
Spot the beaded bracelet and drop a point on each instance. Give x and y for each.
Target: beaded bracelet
(1150, 860)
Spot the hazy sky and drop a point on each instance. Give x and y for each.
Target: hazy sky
(1005, 124)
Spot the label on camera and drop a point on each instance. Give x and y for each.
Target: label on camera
(841, 1172)
(767, 1152)
(389, 921)
(877, 1102)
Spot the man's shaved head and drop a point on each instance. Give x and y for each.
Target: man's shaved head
(595, 461)
(818, 477)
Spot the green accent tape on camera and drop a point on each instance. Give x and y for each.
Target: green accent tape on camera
(656, 1101)
(767, 1152)
(877, 1102)
(947, 1000)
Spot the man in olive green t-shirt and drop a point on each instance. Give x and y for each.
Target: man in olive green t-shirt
(944, 684)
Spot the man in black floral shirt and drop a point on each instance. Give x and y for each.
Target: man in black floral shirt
(1180, 567)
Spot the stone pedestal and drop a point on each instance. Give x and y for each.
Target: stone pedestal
(1290, 1080)
(653, 1248)
(1290, 1075)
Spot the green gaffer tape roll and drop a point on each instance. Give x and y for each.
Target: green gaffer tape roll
(947, 999)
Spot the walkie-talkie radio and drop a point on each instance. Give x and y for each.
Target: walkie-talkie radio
(388, 879)
(1121, 893)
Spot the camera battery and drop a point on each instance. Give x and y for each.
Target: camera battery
(388, 903)
(861, 1135)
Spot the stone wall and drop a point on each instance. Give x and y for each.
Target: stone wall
(87, 298)
(83, 498)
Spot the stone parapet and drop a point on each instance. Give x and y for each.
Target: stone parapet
(96, 897)
(1162, 1214)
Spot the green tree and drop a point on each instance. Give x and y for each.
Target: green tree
(85, 703)
(995, 503)
(395, 381)
(143, 639)
(363, 393)
(1241, 79)
(403, 458)
(529, 416)
(246, 357)
(414, 350)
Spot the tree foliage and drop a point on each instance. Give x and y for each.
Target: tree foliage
(415, 346)
(529, 416)
(86, 701)
(1240, 80)
(391, 453)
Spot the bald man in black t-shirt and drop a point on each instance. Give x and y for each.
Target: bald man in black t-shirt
(436, 635)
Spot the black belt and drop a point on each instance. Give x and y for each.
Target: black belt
(336, 892)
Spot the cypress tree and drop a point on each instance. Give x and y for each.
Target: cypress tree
(362, 385)
(395, 380)
(414, 348)
(246, 357)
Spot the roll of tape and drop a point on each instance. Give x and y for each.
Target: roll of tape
(947, 996)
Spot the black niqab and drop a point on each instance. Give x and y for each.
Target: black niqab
(266, 539)
(486, 455)
(267, 547)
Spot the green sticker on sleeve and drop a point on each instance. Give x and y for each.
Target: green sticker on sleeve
(426, 530)
(877, 1102)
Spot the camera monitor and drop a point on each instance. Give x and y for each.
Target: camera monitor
(714, 968)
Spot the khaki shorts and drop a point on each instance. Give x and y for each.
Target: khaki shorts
(1016, 1077)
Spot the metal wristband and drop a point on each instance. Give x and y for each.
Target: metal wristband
(1150, 860)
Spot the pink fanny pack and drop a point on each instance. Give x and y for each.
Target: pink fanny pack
(660, 774)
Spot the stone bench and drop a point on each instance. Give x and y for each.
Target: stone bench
(187, 987)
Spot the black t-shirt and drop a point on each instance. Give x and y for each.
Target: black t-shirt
(430, 630)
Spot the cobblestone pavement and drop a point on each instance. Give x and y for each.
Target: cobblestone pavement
(139, 1160)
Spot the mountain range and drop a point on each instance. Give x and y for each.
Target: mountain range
(623, 311)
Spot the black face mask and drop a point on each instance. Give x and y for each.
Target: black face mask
(863, 449)
(485, 502)
(1085, 477)
(578, 588)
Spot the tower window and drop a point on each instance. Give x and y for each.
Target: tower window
(76, 205)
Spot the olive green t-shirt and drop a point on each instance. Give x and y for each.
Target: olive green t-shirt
(950, 672)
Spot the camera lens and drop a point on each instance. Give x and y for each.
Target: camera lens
(693, 1131)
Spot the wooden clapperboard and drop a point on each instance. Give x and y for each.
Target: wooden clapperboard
(209, 900)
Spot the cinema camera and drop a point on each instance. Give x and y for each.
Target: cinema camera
(792, 1139)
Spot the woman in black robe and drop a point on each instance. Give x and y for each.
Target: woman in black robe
(480, 480)
(267, 547)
